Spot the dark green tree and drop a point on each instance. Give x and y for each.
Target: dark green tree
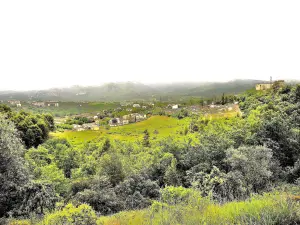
(13, 173)
(146, 139)
(111, 166)
(106, 146)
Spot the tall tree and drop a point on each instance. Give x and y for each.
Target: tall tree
(13, 173)
(146, 141)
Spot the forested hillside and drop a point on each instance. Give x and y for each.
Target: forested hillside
(232, 170)
(133, 91)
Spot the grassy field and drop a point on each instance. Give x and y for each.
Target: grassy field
(159, 128)
(273, 208)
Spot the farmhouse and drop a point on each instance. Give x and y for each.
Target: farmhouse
(175, 106)
(77, 127)
(115, 122)
(125, 122)
(89, 126)
(139, 117)
(134, 117)
(19, 105)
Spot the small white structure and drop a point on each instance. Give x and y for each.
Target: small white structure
(19, 105)
(95, 117)
(136, 106)
(175, 106)
(144, 107)
(55, 104)
(125, 122)
(77, 127)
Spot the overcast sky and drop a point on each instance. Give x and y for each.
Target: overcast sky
(61, 43)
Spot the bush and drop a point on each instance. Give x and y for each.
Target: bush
(71, 215)
(180, 195)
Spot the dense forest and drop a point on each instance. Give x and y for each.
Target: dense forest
(249, 163)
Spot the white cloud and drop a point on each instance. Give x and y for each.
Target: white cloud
(67, 42)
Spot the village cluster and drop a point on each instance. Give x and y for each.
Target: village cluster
(18, 104)
(133, 112)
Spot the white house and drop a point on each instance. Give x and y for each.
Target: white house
(55, 104)
(115, 122)
(175, 106)
(19, 105)
(136, 106)
(125, 122)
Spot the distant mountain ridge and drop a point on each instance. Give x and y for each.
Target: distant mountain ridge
(130, 91)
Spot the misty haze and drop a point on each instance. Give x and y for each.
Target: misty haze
(159, 112)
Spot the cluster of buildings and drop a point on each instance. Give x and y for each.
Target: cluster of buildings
(43, 104)
(35, 103)
(131, 118)
(15, 102)
(86, 126)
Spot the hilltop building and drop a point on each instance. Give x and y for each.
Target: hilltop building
(260, 87)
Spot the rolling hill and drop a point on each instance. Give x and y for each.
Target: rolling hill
(132, 91)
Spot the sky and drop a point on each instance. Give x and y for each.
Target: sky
(61, 43)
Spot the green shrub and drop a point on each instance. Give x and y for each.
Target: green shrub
(71, 215)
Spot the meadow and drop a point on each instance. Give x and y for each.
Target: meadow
(159, 127)
(191, 209)
(270, 208)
